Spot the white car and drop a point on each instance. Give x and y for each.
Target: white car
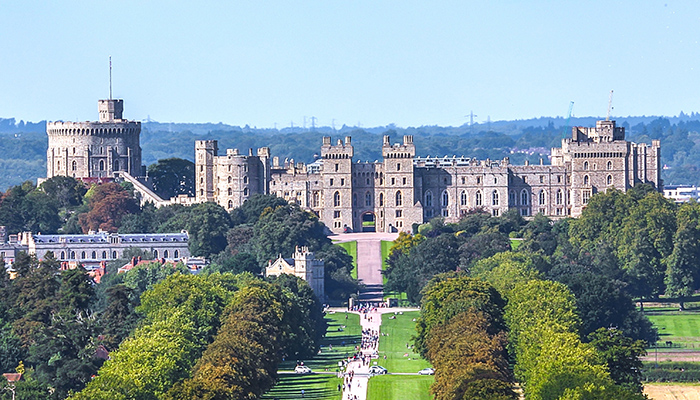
(302, 369)
(377, 370)
(426, 371)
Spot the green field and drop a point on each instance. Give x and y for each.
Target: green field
(680, 327)
(399, 387)
(317, 386)
(386, 246)
(351, 248)
(399, 358)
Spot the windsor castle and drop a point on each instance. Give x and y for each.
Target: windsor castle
(384, 196)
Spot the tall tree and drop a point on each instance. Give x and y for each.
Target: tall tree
(683, 273)
(172, 177)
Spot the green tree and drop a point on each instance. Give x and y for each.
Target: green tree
(622, 355)
(683, 274)
(119, 316)
(172, 177)
(207, 225)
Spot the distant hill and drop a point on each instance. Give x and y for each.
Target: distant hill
(23, 144)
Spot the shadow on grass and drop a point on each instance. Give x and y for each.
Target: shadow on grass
(290, 387)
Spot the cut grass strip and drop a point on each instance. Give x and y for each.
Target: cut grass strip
(399, 358)
(399, 387)
(351, 248)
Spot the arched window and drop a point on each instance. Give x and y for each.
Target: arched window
(230, 191)
(316, 197)
(445, 199)
(245, 179)
(58, 165)
(94, 255)
(585, 180)
(560, 197)
(336, 199)
(609, 165)
(610, 180)
(177, 254)
(494, 198)
(512, 198)
(585, 165)
(104, 255)
(165, 254)
(463, 198)
(428, 198)
(155, 253)
(102, 165)
(245, 191)
(230, 204)
(478, 201)
(368, 199)
(524, 198)
(381, 199)
(229, 179)
(542, 197)
(74, 165)
(114, 254)
(399, 200)
(72, 255)
(63, 255)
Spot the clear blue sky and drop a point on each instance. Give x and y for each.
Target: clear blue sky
(370, 62)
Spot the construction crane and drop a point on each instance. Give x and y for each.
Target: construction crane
(568, 119)
(609, 106)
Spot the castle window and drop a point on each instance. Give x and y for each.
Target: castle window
(94, 255)
(558, 178)
(609, 165)
(331, 182)
(542, 197)
(245, 168)
(586, 180)
(524, 198)
(398, 167)
(230, 192)
(464, 180)
(82, 255)
(478, 180)
(315, 199)
(404, 181)
(245, 179)
(176, 254)
(336, 214)
(585, 165)
(494, 212)
(445, 199)
(610, 182)
(230, 204)
(114, 254)
(399, 213)
(337, 166)
(368, 199)
(541, 178)
(512, 199)
(463, 198)
(58, 165)
(74, 166)
(445, 212)
(428, 198)
(63, 255)
(342, 181)
(245, 191)
(230, 179)
(524, 179)
(398, 198)
(494, 198)
(368, 183)
(524, 212)
(72, 255)
(336, 199)
(201, 192)
(104, 255)
(381, 199)
(165, 254)
(102, 165)
(560, 197)
(495, 180)
(478, 201)
(586, 195)
(155, 253)
(393, 181)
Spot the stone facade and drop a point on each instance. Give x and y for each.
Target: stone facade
(304, 265)
(401, 190)
(95, 149)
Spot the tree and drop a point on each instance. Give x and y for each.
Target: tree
(622, 355)
(108, 203)
(119, 316)
(207, 225)
(66, 191)
(172, 177)
(683, 274)
(338, 281)
(249, 212)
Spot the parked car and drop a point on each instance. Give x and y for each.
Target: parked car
(302, 369)
(377, 370)
(426, 371)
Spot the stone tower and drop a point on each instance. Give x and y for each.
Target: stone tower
(336, 174)
(95, 149)
(206, 152)
(400, 201)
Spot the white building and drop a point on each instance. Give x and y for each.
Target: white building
(304, 265)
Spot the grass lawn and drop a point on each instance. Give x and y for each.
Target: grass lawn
(386, 246)
(321, 387)
(399, 332)
(399, 387)
(682, 328)
(351, 248)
